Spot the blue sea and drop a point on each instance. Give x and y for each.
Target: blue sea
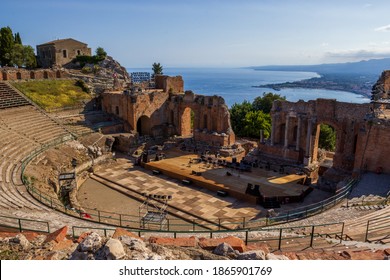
(236, 84)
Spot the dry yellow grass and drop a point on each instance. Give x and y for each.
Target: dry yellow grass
(53, 94)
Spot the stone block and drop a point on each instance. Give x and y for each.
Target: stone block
(212, 243)
(272, 256)
(180, 242)
(252, 255)
(225, 249)
(83, 236)
(91, 243)
(63, 245)
(122, 232)
(114, 249)
(258, 246)
(58, 235)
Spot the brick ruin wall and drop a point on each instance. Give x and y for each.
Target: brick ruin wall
(15, 74)
(373, 149)
(162, 113)
(169, 84)
(296, 128)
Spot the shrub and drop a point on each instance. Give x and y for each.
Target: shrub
(86, 70)
(83, 86)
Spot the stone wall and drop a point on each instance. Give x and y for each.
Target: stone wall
(169, 84)
(296, 126)
(373, 148)
(14, 74)
(161, 113)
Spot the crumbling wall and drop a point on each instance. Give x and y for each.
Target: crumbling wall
(161, 113)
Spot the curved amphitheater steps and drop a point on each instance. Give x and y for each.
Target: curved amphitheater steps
(23, 129)
(10, 98)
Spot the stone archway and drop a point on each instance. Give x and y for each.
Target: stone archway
(326, 144)
(143, 126)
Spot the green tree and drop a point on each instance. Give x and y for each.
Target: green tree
(327, 139)
(100, 53)
(157, 69)
(23, 56)
(29, 58)
(237, 116)
(17, 55)
(264, 103)
(256, 121)
(6, 46)
(17, 39)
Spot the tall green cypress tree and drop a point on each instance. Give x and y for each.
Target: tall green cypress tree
(18, 40)
(6, 46)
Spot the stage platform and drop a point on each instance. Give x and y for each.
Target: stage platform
(232, 181)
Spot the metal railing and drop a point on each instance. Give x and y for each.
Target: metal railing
(22, 224)
(276, 238)
(378, 229)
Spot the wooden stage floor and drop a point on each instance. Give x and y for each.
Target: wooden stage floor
(181, 165)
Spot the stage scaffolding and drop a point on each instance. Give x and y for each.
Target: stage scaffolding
(153, 211)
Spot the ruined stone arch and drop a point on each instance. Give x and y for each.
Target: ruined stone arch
(144, 125)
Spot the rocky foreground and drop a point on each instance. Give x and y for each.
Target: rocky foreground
(124, 245)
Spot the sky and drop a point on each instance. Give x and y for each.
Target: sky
(210, 33)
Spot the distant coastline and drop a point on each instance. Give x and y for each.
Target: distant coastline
(236, 85)
(339, 82)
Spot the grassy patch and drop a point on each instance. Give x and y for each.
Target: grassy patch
(53, 94)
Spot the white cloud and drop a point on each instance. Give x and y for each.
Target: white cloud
(359, 54)
(385, 28)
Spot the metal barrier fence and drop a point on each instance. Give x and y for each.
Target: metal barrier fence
(21, 224)
(132, 221)
(276, 238)
(378, 229)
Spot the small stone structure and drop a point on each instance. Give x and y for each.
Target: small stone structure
(166, 111)
(60, 52)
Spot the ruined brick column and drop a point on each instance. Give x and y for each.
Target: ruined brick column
(308, 141)
(298, 133)
(273, 127)
(286, 131)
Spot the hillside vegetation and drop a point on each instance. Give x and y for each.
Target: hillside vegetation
(54, 94)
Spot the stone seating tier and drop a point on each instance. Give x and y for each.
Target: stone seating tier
(10, 98)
